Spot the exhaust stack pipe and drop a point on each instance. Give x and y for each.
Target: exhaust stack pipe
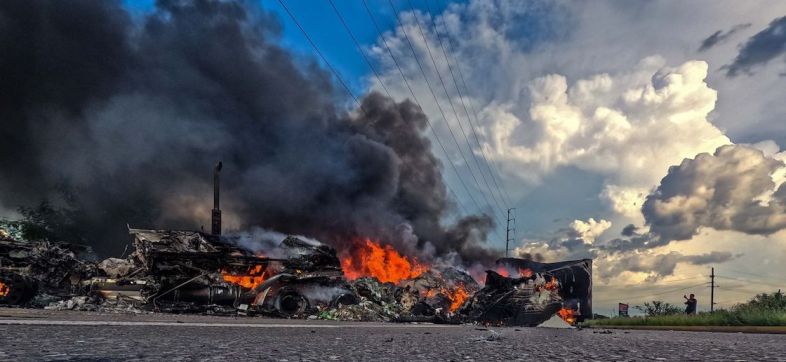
(215, 221)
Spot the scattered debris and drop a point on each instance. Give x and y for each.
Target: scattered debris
(603, 331)
(195, 272)
(32, 273)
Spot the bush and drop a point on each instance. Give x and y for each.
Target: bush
(659, 307)
(775, 302)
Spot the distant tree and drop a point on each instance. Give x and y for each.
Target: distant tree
(764, 301)
(659, 307)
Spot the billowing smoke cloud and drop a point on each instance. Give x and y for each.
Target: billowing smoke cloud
(128, 116)
(761, 48)
(731, 189)
(721, 36)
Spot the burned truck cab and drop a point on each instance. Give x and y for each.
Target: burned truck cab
(190, 271)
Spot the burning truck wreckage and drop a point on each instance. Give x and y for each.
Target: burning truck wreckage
(197, 272)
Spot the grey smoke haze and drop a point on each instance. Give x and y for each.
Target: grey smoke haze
(761, 48)
(721, 36)
(129, 116)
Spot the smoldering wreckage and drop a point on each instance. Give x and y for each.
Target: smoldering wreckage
(210, 273)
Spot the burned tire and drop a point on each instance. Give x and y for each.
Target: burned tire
(290, 303)
(344, 299)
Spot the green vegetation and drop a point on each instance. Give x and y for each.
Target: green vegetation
(659, 308)
(763, 310)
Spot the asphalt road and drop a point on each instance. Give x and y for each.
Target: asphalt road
(44, 335)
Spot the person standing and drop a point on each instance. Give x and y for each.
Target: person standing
(690, 304)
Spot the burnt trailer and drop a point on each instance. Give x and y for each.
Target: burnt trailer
(523, 292)
(574, 277)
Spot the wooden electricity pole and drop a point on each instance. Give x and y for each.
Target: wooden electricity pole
(712, 291)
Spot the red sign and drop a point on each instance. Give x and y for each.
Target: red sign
(623, 310)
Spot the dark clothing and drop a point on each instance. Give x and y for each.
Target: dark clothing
(691, 306)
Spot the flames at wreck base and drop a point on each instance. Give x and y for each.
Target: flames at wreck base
(183, 271)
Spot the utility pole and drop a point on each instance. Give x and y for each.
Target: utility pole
(712, 291)
(508, 230)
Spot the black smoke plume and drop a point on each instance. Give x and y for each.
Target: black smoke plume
(125, 116)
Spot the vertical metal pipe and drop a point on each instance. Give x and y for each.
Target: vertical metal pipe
(215, 222)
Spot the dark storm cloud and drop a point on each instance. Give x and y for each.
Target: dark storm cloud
(721, 191)
(761, 48)
(660, 265)
(721, 36)
(129, 117)
(708, 258)
(634, 242)
(629, 230)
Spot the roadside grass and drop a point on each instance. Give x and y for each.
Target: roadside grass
(744, 317)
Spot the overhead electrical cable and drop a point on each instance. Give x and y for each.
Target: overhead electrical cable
(319, 53)
(504, 196)
(381, 35)
(434, 95)
(654, 294)
(455, 114)
(360, 48)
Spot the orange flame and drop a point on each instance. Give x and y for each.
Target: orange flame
(552, 284)
(384, 263)
(457, 297)
(4, 290)
(568, 315)
(252, 279)
(520, 273)
(501, 270)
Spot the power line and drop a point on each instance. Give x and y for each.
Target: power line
(466, 112)
(473, 126)
(360, 48)
(428, 122)
(759, 276)
(379, 78)
(415, 98)
(453, 108)
(653, 294)
(316, 49)
(433, 94)
(680, 280)
(752, 281)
